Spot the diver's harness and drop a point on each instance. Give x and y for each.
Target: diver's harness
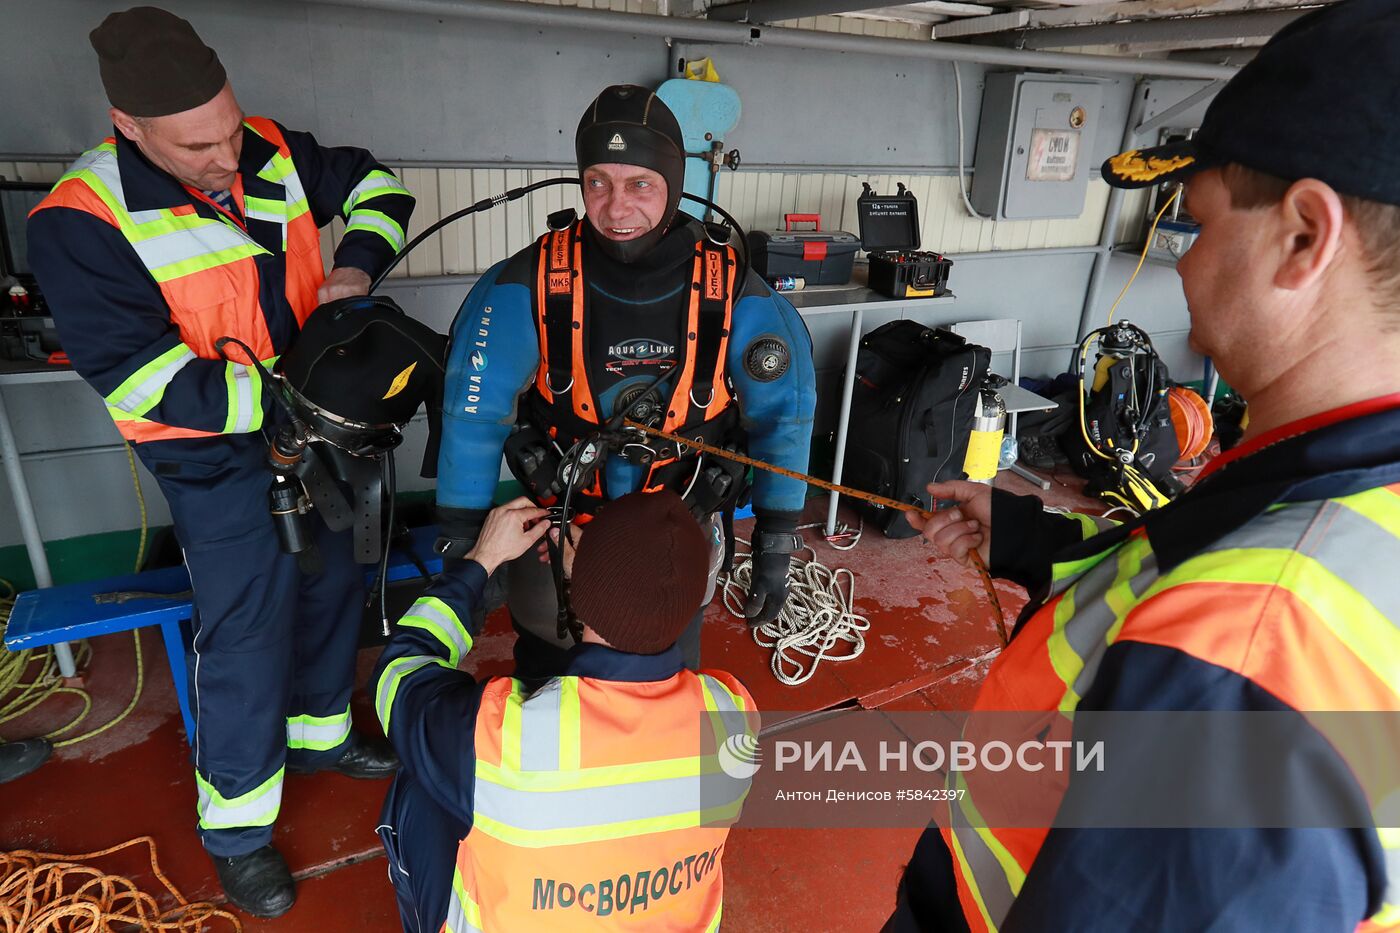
(562, 441)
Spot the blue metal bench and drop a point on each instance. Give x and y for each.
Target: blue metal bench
(68, 613)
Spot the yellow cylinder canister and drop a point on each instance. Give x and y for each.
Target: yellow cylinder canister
(984, 444)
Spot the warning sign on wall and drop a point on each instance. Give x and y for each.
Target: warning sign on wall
(1054, 155)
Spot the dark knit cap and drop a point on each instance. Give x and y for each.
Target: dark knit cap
(640, 572)
(153, 63)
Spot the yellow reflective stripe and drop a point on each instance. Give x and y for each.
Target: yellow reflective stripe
(375, 184)
(463, 913)
(258, 807)
(1388, 915)
(388, 686)
(1090, 525)
(1063, 658)
(1073, 568)
(600, 776)
(318, 733)
(1379, 505)
(264, 209)
(544, 838)
(438, 619)
(510, 728)
(244, 387)
(971, 880)
(714, 923)
(200, 263)
(570, 725)
(377, 222)
(1015, 875)
(1345, 612)
(143, 389)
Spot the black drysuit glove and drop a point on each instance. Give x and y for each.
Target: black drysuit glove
(774, 541)
(458, 530)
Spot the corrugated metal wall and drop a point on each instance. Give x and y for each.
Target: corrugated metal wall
(758, 201)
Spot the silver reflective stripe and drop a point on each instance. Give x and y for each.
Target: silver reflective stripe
(189, 243)
(318, 732)
(155, 383)
(215, 812)
(457, 921)
(390, 232)
(723, 701)
(145, 217)
(539, 811)
(389, 683)
(1088, 629)
(103, 164)
(443, 625)
(243, 385)
(371, 183)
(295, 191)
(1282, 528)
(989, 878)
(539, 729)
(1361, 554)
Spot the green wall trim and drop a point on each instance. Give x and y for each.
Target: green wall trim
(113, 553)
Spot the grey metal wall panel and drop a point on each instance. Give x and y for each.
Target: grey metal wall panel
(406, 87)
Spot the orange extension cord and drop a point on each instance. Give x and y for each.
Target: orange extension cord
(41, 892)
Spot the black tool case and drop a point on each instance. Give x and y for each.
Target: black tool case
(889, 231)
(822, 257)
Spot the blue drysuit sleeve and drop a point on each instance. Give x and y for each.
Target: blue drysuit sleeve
(776, 413)
(494, 354)
(427, 707)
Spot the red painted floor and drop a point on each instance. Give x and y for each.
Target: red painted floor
(929, 645)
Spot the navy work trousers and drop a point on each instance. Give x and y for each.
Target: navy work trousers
(273, 655)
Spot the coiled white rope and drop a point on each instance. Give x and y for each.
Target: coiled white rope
(818, 623)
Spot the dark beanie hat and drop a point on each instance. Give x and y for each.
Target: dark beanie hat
(153, 63)
(640, 572)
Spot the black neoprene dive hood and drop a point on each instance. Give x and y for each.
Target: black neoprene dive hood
(630, 125)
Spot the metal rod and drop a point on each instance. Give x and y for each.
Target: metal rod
(565, 19)
(844, 421)
(29, 525)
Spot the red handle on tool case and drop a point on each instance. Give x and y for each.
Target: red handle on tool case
(814, 219)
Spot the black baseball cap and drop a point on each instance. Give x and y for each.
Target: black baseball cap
(1320, 100)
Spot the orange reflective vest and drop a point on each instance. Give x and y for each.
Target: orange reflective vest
(1279, 601)
(701, 403)
(600, 805)
(206, 272)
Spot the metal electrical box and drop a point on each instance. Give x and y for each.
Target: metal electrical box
(1035, 145)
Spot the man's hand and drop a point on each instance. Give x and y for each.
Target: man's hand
(968, 524)
(343, 282)
(570, 546)
(509, 531)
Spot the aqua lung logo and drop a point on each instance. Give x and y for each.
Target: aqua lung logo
(641, 349)
(617, 143)
(740, 756)
(478, 361)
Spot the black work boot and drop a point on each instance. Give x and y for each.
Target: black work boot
(258, 883)
(19, 758)
(364, 757)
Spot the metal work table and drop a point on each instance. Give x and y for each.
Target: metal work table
(22, 373)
